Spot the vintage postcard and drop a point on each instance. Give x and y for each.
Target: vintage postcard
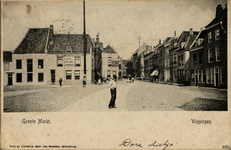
(147, 74)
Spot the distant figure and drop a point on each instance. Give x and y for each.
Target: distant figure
(133, 79)
(112, 86)
(84, 81)
(60, 81)
(99, 81)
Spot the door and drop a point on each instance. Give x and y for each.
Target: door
(53, 76)
(9, 79)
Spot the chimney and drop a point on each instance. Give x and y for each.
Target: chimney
(191, 31)
(51, 34)
(97, 38)
(51, 30)
(159, 41)
(219, 10)
(174, 34)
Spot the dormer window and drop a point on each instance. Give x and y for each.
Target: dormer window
(68, 49)
(209, 37)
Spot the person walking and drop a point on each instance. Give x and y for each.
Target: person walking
(112, 86)
(84, 81)
(60, 81)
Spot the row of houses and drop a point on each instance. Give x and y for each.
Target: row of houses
(194, 58)
(42, 58)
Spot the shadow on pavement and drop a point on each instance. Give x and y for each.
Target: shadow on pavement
(204, 104)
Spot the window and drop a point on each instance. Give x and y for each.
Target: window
(77, 61)
(40, 77)
(200, 58)
(207, 76)
(109, 73)
(114, 72)
(199, 76)
(212, 75)
(195, 59)
(60, 61)
(29, 65)
(179, 60)
(6, 66)
(218, 53)
(217, 34)
(209, 37)
(68, 74)
(77, 74)
(18, 64)
(109, 61)
(19, 77)
(29, 77)
(182, 58)
(193, 76)
(68, 49)
(119, 66)
(40, 63)
(210, 56)
(203, 76)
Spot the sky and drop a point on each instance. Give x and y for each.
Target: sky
(118, 23)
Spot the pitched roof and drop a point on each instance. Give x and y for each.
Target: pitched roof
(217, 20)
(109, 49)
(7, 56)
(34, 41)
(73, 42)
(185, 40)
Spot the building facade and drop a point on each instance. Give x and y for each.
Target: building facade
(110, 63)
(42, 58)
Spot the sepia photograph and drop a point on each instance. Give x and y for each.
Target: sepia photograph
(64, 59)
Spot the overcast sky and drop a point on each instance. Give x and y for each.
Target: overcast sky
(119, 23)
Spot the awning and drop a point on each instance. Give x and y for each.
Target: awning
(155, 73)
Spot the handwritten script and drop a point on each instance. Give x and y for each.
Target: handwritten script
(128, 142)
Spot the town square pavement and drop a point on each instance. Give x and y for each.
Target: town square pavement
(138, 96)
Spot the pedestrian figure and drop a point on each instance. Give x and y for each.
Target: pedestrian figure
(60, 81)
(112, 86)
(99, 81)
(84, 81)
(132, 79)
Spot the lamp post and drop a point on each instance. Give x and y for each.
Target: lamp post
(84, 43)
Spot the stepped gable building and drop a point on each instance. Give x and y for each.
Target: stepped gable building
(44, 57)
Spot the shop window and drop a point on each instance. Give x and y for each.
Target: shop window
(203, 76)
(212, 75)
(77, 61)
(6, 66)
(29, 77)
(217, 34)
(218, 53)
(40, 64)
(68, 74)
(19, 77)
(19, 64)
(209, 37)
(222, 76)
(29, 65)
(208, 76)
(199, 76)
(40, 77)
(77, 74)
(59, 61)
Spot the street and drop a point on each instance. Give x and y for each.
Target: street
(138, 96)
